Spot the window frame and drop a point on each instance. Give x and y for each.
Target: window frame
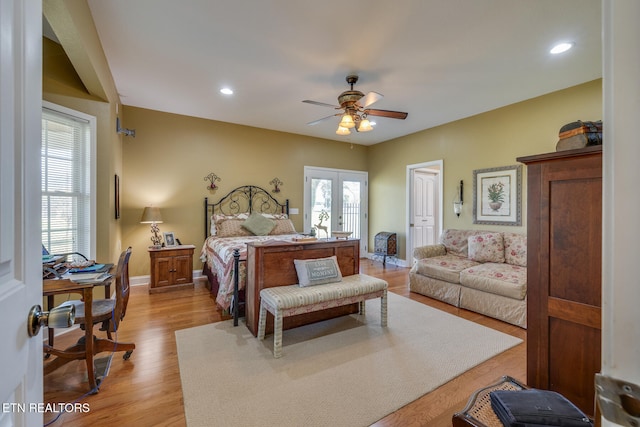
(92, 147)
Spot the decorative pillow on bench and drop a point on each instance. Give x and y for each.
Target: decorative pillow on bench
(317, 271)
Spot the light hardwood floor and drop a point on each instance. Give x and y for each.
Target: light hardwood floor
(145, 390)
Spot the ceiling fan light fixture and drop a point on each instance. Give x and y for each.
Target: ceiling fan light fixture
(343, 131)
(347, 122)
(365, 126)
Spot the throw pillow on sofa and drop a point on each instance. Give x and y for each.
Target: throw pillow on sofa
(487, 247)
(515, 249)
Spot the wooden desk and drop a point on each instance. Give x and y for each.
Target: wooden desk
(82, 350)
(50, 295)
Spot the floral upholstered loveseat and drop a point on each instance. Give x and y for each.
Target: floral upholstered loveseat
(478, 270)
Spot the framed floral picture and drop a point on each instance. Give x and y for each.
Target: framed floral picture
(497, 196)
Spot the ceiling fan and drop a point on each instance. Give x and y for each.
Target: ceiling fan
(355, 106)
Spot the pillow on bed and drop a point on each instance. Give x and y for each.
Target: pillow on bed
(317, 271)
(276, 215)
(283, 226)
(259, 224)
(231, 228)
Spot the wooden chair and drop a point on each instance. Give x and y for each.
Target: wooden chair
(110, 312)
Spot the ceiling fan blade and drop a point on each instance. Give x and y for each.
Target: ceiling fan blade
(322, 104)
(369, 99)
(387, 113)
(315, 122)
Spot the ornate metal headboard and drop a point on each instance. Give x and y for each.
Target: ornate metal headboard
(248, 198)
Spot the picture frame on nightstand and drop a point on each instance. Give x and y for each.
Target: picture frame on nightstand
(169, 239)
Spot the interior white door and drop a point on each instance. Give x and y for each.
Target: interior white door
(336, 200)
(20, 255)
(425, 188)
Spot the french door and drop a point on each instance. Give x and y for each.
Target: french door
(336, 200)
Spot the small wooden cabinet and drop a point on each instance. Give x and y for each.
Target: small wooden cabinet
(564, 272)
(171, 268)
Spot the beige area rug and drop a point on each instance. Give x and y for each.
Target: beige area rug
(340, 372)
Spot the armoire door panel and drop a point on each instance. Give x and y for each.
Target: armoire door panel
(574, 361)
(575, 248)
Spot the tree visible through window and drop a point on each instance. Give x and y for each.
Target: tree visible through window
(66, 182)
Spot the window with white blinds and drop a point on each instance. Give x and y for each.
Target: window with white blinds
(67, 181)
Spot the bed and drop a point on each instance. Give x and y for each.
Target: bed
(224, 250)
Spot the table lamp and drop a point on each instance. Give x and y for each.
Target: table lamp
(152, 215)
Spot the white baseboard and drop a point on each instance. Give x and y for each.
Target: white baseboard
(390, 259)
(144, 280)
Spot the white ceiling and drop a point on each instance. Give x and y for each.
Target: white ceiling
(437, 60)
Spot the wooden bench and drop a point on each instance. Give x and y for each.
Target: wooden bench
(283, 301)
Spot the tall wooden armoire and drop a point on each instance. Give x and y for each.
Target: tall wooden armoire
(564, 268)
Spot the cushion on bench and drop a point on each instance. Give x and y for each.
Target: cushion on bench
(284, 297)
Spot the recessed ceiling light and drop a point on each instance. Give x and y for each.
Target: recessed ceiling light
(226, 91)
(561, 47)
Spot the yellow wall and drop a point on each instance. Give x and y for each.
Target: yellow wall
(69, 93)
(486, 140)
(165, 165)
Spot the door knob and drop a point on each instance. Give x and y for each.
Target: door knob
(58, 317)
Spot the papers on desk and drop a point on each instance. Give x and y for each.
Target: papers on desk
(95, 268)
(89, 277)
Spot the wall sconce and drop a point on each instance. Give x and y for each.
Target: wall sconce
(212, 178)
(276, 184)
(151, 215)
(457, 203)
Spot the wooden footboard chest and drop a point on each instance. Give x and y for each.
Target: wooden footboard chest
(271, 264)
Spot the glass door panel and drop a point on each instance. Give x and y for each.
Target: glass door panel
(349, 219)
(336, 200)
(321, 212)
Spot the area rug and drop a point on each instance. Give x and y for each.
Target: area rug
(340, 372)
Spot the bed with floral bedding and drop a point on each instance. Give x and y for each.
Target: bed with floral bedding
(246, 214)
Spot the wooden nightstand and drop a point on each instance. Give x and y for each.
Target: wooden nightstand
(171, 268)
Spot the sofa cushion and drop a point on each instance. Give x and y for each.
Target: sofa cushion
(488, 247)
(456, 241)
(500, 279)
(515, 249)
(446, 267)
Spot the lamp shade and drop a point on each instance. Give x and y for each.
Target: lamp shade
(151, 214)
(347, 121)
(365, 126)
